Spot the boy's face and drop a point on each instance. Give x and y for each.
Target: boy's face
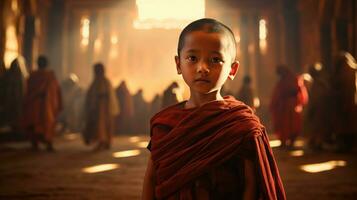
(205, 61)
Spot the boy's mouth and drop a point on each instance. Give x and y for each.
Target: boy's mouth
(202, 80)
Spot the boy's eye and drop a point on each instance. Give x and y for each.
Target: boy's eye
(217, 60)
(191, 58)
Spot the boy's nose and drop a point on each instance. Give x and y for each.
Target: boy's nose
(202, 68)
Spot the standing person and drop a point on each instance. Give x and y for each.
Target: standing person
(289, 97)
(42, 104)
(124, 121)
(101, 107)
(246, 94)
(345, 100)
(14, 92)
(318, 109)
(209, 147)
(169, 96)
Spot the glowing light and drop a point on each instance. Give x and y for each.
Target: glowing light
(114, 39)
(299, 143)
(97, 45)
(256, 102)
(14, 5)
(142, 144)
(325, 166)
(128, 153)
(275, 143)
(307, 77)
(71, 136)
(263, 32)
(134, 139)
(100, 168)
(113, 52)
(318, 66)
(11, 46)
(85, 24)
(168, 14)
(297, 153)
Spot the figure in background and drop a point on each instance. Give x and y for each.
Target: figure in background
(42, 104)
(345, 99)
(141, 113)
(14, 92)
(155, 105)
(289, 97)
(170, 95)
(124, 121)
(73, 99)
(2, 94)
(246, 92)
(318, 110)
(101, 107)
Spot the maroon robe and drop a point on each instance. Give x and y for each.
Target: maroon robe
(288, 93)
(200, 152)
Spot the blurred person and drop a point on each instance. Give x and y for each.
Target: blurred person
(42, 104)
(318, 108)
(289, 97)
(246, 92)
(124, 121)
(73, 99)
(345, 98)
(14, 92)
(155, 105)
(169, 96)
(2, 94)
(209, 147)
(141, 113)
(101, 107)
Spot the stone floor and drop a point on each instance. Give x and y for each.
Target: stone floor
(65, 174)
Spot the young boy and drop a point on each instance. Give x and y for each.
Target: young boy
(209, 147)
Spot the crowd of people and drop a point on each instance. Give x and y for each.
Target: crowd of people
(322, 107)
(37, 105)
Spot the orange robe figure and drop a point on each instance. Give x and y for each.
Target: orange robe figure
(288, 98)
(42, 104)
(101, 107)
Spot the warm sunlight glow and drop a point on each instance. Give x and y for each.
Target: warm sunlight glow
(297, 153)
(325, 166)
(134, 139)
(97, 45)
(11, 46)
(14, 5)
(307, 77)
(142, 144)
(114, 39)
(299, 143)
(85, 31)
(71, 136)
(263, 32)
(100, 168)
(128, 153)
(165, 14)
(256, 102)
(275, 143)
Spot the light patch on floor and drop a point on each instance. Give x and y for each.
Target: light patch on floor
(325, 166)
(128, 153)
(100, 168)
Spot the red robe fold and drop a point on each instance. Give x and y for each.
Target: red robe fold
(200, 151)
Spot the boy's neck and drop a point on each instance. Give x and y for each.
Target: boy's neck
(197, 100)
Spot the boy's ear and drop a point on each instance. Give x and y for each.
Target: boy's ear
(234, 70)
(177, 61)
